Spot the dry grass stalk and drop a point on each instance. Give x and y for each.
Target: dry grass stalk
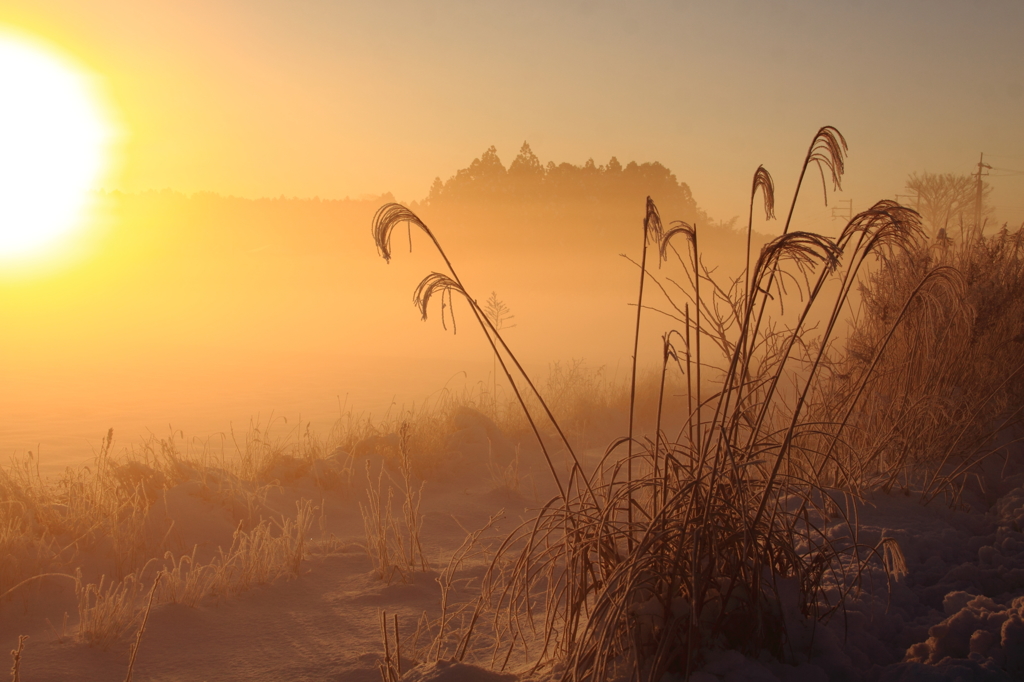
(412, 548)
(16, 656)
(391, 665)
(653, 232)
(134, 650)
(448, 641)
(62, 635)
(387, 218)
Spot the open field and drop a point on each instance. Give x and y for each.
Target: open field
(818, 477)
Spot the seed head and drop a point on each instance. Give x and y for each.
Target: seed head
(678, 227)
(803, 248)
(384, 222)
(435, 283)
(828, 150)
(763, 180)
(653, 229)
(886, 225)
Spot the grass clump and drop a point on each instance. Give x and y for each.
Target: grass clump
(394, 546)
(107, 609)
(716, 536)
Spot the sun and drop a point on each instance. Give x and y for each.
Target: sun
(54, 142)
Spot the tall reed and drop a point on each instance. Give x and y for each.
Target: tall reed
(387, 218)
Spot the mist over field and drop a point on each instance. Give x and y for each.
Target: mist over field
(218, 363)
(196, 313)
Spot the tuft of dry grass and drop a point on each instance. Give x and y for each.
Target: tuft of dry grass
(107, 609)
(716, 537)
(271, 550)
(394, 548)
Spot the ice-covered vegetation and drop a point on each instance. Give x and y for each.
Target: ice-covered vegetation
(815, 477)
(741, 531)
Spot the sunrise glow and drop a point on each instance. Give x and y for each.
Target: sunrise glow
(533, 341)
(54, 139)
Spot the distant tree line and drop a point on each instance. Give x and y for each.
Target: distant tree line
(527, 180)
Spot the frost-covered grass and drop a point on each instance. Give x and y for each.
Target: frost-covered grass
(948, 379)
(723, 535)
(724, 530)
(196, 512)
(119, 525)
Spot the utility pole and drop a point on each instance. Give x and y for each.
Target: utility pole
(977, 200)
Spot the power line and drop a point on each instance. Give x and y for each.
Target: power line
(914, 199)
(1005, 172)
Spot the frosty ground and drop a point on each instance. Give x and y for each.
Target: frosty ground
(956, 614)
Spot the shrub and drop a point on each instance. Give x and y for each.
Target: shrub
(947, 380)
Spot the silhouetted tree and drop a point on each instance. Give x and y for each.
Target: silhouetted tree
(435, 190)
(947, 201)
(526, 164)
(484, 179)
(526, 174)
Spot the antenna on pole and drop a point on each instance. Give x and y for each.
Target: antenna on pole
(843, 209)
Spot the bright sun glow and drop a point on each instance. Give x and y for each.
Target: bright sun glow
(53, 147)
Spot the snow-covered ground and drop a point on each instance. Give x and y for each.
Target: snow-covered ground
(958, 613)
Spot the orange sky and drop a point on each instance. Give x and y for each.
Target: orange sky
(322, 98)
(333, 99)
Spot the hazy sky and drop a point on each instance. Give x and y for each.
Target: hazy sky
(330, 98)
